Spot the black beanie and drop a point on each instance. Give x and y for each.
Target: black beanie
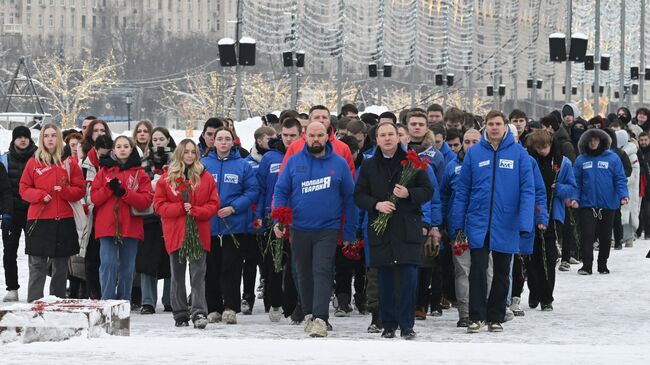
(20, 131)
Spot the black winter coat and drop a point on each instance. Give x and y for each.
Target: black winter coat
(6, 200)
(16, 162)
(402, 241)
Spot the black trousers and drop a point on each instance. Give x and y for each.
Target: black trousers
(10, 242)
(250, 255)
(280, 289)
(541, 283)
(347, 269)
(429, 289)
(213, 295)
(447, 274)
(482, 307)
(644, 218)
(617, 227)
(595, 223)
(567, 236)
(92, 262)
(518, 275)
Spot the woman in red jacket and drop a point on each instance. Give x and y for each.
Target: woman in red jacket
(51, 233)
(120, 185)
(202, 205)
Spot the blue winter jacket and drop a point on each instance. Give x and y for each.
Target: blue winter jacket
(447, 153)
(527, 240)
(600, 179)
(267, 176)
(433, 208)
(448, 192)
(319, 190)
(565, 188)
(237, 188)
(495, 193)
(436, 160)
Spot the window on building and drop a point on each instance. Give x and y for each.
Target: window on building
(62, 21)
(83, 22)
(103, 22)
(159, 4)
(50, 21)
(94, 21)
(62, 2)
(169, 24)
(72, 25)
(117, 22)
(40, 20)
(28, 18)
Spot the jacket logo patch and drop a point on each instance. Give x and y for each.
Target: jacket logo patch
(484, 163)
(457, 169)
(231, 178)
(316, 184)
(43, 170)
(587, 165)
(429, 153)
(603, 164)
(274, 168)
(506, 164)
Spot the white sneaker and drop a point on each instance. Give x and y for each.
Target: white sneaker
(308, 323)
(11, 296)
(515, 307)
(573, 261)
(214, 317)
(475, 327)
(318, 328)
(509, 315)
(229, 317)
(275, 314)
(629, 243)
(564, 266)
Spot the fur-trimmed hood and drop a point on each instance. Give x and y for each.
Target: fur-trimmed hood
(605, 141)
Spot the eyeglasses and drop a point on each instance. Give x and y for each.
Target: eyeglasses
(223, 139)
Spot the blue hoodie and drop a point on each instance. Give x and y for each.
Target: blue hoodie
(237, 188)
(600, 179)
(319, 190)
(495, 193)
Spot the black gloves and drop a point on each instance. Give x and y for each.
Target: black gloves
(117, 188)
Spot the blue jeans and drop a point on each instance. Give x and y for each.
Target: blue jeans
(117, 267)
(149, 286)
(397, 309)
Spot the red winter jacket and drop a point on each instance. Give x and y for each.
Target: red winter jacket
(339, 147)
(168, 204)
(138, 194)
(39, 179)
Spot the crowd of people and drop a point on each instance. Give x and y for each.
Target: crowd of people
(397, 216)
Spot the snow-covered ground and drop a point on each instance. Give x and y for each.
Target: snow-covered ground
(597, 320)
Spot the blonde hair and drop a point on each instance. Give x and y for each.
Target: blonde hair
(177, 166)
(42, 155)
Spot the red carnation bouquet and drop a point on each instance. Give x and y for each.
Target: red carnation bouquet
(460, 244)
(353, 251)
(284, 217)
(191, 249)
(411, 165)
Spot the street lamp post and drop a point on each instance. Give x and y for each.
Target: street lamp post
(128, 101)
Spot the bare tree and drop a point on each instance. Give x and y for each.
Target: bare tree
(70, 86)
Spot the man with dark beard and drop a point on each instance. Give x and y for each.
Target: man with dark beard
(316, 177)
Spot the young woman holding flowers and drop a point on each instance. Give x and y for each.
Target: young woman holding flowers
(396, 231)
(120, 184)
(184, 193)
(51, 232)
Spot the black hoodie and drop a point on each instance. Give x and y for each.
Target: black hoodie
(16, 162)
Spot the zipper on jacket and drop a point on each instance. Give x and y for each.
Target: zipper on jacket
(494, 175)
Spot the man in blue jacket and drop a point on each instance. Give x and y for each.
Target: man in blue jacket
(318, 187)
(494, 203)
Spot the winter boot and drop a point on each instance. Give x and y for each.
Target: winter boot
(629, 243)
(200, 321)
(548, 307)
(495, 327)
(214, 317)
(344, 309)
(475, 327)
(275, 314)
(407, 334)
(375, 323)
(229, 316)
(509, 315)
(11, 296)
(564, 266)
(246, 308)
(181, 322)
(420, 313)
(318, 328)
(515, 307)
(463, 322)
(309, 323)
